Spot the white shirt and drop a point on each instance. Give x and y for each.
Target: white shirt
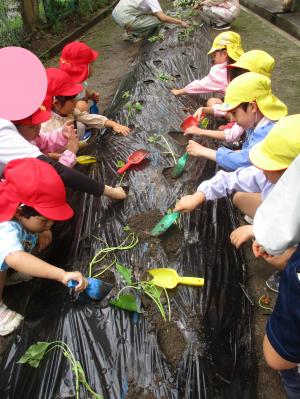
(13, 145)
(150, 5)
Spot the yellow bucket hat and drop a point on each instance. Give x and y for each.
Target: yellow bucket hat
(280, 147)
(230, 41)
(255, 61)
(251, 87)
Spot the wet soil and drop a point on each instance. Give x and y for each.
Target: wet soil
(168, 174)
(171, 240)
(135, 392)
(108, 277)
(179, 138)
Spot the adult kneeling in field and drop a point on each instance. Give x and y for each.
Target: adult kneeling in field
(140, 17)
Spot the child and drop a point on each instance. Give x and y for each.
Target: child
(225, 50)
(54, 143)
(252, 185)
(250, 100)
(32, 197)
(14, 146)
(221, 13)
(252, 61)
(140, 17)
(61, 100)
(77, 59)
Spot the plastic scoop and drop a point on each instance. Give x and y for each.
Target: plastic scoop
(94, 108)
(96, 289)
(179, 167)
(86, 159)
(135, 158)
(168, 278)
(189, 122)
(164, 224)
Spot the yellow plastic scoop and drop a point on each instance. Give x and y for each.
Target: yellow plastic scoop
(86, 159)
(168, 278)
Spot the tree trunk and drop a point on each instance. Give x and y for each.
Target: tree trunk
(30, 14)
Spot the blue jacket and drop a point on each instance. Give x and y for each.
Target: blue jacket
(232, 160)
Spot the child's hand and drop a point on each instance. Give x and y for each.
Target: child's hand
(121, 129)
(258, 250)
(77, 276)
(184, 24)
(193, 130)
(195, 149)
(176, 92)
(199, 113)
(73, 143)
(54, 155)
(68, 129)
(95, 96)
(44, 240)
(240, 235)
(190, 202)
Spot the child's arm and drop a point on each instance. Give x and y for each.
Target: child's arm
(55, 140)
(26, 263)
(250, 180)
(100, 121)
(214, 134)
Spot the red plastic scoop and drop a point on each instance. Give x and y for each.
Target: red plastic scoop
(135, 158)
(189, 122)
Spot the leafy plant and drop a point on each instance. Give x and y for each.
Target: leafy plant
(128, 243)
(163, 142)
(36, 352)
(129, 301)
(120, 163)
(186, 34)
(164, 77)
(132, 108)
(126, 94)
(155, 38)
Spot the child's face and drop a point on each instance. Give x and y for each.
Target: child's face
(29, 132)
(91, 69)
(35, 224)
(246, 119)
(219, 56)
(66, 109)
(273, 176)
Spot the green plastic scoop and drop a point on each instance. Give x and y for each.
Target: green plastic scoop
(179, 167)
(164, 224)
(168, 278)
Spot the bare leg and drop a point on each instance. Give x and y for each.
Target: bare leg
(247, 202)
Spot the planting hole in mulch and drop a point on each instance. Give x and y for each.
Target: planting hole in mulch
(167, 172)
(148, 82)
(171, 240)
(179, 138)
(108, 277)
(135, 392)
(157, 62)
(171, 342)
(193, 67)
(177, 76)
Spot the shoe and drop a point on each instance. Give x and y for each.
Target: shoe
(220, 26)
(86, 136)
(273, 282)
(130, 37)
(248, 219)
(227, 126)
(9, 320)
(17, 278)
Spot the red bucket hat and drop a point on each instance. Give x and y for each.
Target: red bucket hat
(59, 84)
(38, 117)
(34, 183)
(75, 59)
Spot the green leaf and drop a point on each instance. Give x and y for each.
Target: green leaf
(35, 354)
(126, 302)
(138, 106)
(120, 164)
(152, 139)
(125, 273)
(125, 94)
(81, 375)
(128, 106)
(153, 290)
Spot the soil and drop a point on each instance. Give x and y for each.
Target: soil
(108, 277)
(135, 392)
(167, 332)
(171, 240)
(179, 138)
(168, 174)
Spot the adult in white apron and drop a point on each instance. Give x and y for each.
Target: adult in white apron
(140, 17)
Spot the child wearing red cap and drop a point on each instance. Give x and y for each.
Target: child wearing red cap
(54, 143)
(77, 60)
(32, 197)
(61, 100)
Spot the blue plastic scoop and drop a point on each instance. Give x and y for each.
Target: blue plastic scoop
(96, 289)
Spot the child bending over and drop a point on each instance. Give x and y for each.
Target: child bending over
(32, 197)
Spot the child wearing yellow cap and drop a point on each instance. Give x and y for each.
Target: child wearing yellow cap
(226, 49)
(252, 104)
(252, 61)
(254, 183)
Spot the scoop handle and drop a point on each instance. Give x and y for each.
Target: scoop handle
(191, 281)
(125, 167)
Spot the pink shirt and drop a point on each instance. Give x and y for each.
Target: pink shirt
(215, 81)
(55, 141)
